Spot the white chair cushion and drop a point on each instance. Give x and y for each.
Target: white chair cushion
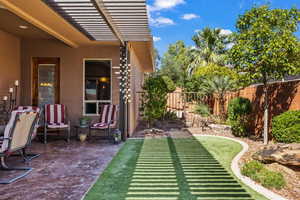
(58, 125)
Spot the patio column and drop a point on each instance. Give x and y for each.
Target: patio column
(124, 90)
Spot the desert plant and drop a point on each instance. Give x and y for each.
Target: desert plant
(202, 110)
(286, 127)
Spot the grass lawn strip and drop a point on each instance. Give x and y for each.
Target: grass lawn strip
(225, 150)
(206, 177)
(168, 169)
(154, 176)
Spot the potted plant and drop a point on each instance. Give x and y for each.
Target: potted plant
(84, 121)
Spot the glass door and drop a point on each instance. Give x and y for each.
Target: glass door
(45, 81)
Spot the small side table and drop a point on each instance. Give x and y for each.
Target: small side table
(81, 129)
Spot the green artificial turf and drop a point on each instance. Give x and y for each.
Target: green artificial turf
(114, 181)
(169, 169)
(224, 151)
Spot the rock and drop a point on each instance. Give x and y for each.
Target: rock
(286, 154)
(220, 127)
(283, 169)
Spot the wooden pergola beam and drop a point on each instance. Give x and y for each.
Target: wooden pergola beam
(99, 4)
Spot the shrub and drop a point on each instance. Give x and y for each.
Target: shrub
(257, 172)
(171, 87)
(238, 110)
(238, 128)
(271, 179)
(238, 107)
(286, 127)
(202, 110)
(251, 168)
(170, 115)
(154, 98)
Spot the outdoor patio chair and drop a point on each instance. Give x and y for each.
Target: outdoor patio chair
(30, 156)
(17, 136)
(56, 119)
(108, 119)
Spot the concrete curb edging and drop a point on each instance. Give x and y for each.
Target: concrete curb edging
(246, 180)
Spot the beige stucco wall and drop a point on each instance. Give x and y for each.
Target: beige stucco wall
(71, 70)
(9, 61)
(137, 78)
(71, 74)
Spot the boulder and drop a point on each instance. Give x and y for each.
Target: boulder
(286, 154)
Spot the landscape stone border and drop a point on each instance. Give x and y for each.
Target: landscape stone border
(246, 180)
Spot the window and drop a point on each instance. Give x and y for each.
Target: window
(97, 85)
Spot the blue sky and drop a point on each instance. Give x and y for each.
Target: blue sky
(173, 20)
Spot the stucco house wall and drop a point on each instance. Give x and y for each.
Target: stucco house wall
(9, 61)
(71, 74)
(71, 70)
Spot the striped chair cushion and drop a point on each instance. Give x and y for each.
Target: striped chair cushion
(108, 114)
(55, 113)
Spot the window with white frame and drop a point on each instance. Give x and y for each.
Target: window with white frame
(97, 85)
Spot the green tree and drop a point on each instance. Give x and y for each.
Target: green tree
(210, 47)
(174, 63)
(154, 98)
(266, 47)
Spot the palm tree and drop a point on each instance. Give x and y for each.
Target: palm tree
(219, 86)
(210, 46)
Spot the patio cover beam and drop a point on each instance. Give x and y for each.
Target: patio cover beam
(28, 17)
(109, 21)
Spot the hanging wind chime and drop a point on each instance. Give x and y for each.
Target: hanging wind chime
(124, 74)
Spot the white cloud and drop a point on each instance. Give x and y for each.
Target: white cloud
(229, 46)
(159, 5)
(189, 16)
(156, 39)
(165, 4)
(225, 32)
(161, 21)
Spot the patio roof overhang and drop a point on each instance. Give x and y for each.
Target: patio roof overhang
(91, 22)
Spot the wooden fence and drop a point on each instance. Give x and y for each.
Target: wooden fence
(283, 96)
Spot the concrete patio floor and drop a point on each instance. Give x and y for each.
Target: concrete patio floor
(63, 171)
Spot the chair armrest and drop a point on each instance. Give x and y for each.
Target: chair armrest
(5, 138)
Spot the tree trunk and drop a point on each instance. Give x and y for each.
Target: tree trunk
(266, 111)
(222, 106)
